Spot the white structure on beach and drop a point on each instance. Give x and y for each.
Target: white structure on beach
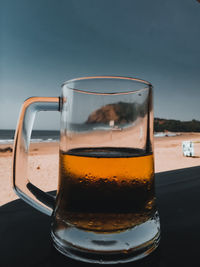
(189, 148)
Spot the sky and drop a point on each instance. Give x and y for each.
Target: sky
(44, 43)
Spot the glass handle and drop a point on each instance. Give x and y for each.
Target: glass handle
(40, 200)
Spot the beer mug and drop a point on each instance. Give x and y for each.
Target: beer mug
(105, 207)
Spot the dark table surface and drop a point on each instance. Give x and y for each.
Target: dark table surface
(25, 232)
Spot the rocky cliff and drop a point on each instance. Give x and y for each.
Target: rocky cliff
(120, 113)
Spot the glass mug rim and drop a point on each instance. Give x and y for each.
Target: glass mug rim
(147, 85)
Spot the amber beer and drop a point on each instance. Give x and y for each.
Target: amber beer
(105, 189)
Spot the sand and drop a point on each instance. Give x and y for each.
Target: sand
(43, 162)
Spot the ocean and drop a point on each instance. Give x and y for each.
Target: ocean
(7, 136)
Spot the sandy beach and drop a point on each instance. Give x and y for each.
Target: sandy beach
(43, 162)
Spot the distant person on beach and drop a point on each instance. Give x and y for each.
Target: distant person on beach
(6, 149)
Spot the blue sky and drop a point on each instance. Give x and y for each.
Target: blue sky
(46, 42)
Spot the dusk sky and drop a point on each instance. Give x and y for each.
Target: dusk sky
(44, 43)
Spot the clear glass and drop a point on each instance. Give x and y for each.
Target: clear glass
(105, 209)
(35, 197)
